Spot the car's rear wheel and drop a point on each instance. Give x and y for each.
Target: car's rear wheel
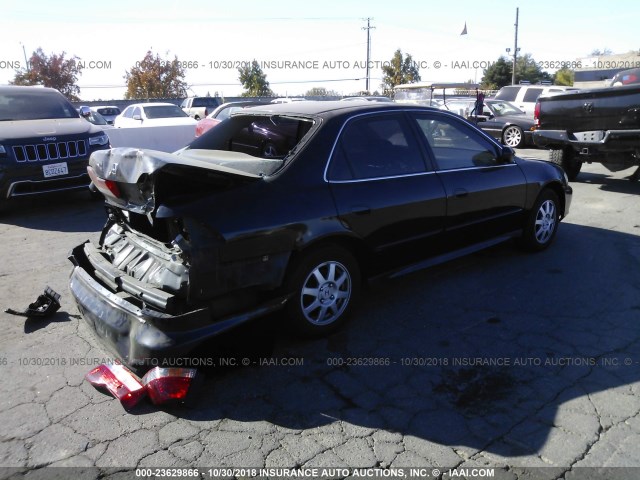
(542, 222)
(513, 136)
(325, 283)
(566, 158)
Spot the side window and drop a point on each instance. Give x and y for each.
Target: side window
(376, 146)
(454, 144)
(532, 94)
(508, 94)
(136, 111)
(224, 113)
(128, 113)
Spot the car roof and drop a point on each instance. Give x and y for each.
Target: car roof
(34, 89)
(328, 108)
(153, 104)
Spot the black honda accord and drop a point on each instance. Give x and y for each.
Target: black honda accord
(202, 240)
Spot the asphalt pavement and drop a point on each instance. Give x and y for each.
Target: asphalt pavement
(506, 360)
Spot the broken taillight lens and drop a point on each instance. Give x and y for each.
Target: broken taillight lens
(119, 381)
(107, 187)
(166, 385)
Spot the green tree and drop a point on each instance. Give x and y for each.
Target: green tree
(155, 77)
(528, 69)
(497, 75)
(564, 76)
(401, 70)
(54, 71)
(501, 72)
(254, 81)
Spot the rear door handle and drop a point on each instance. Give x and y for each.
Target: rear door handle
(360, 210)
(460, 192)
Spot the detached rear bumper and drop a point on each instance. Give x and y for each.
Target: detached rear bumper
(141, 336)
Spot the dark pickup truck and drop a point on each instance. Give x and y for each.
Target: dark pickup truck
(599, 125)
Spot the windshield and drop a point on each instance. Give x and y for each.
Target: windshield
(259, 136)
(164, 111)
(35, 106)
(96, 118)
(504, 108)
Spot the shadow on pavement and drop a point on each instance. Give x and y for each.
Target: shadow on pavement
(53, 212)
(483, 352)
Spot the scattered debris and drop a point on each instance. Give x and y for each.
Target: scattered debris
(162, 385)
(46, 305)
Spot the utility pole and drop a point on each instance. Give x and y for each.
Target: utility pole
(515, 50)
(368, 29)
(25, 58)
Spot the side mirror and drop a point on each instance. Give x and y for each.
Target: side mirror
(506, 155)
(85, 112)
(137, 117)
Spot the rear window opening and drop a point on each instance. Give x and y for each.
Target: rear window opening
(261, 136)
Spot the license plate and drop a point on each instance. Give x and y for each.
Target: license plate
(55, 169)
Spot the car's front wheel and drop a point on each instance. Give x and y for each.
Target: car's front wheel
(542, 222)
(513, 136)
(325, 283)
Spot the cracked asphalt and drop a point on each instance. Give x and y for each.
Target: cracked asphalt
(502, 359)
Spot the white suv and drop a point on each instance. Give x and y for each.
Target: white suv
(525, 96)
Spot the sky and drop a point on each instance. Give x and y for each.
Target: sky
(324, 43)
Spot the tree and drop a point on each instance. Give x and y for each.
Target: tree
(254, 81)
(528, 69)
(54, 71)
(564, 76)
(321, 92)
(497, 75)
(598, 52)
(154, 77)
(400, 70)
(501, 72)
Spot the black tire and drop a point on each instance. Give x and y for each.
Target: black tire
(566, 159)
(542, 223)
(513, 136)
(326, 285)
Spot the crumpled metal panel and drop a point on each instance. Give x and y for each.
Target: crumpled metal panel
(161, 269)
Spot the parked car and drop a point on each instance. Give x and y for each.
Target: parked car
(370, 98)
(596, 125)
(152, 115)
(44, 144)
(109, 112)
(221, 113)
(205, 239)
(524, 96)
(199, 107)
(94, 117)
(502, 120)
(288, 100)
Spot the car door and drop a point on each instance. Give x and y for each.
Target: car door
(485, 192)
(383, 189)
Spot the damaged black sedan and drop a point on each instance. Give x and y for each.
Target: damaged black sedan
(239, 224)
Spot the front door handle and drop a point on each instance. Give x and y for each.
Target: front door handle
(460, 192)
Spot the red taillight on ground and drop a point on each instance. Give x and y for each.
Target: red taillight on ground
(107, 187)
(119, 381)
(168, 384)
(536, 115)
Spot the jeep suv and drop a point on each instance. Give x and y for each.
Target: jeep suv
(44, 143)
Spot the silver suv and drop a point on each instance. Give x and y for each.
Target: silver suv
(524, 96)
